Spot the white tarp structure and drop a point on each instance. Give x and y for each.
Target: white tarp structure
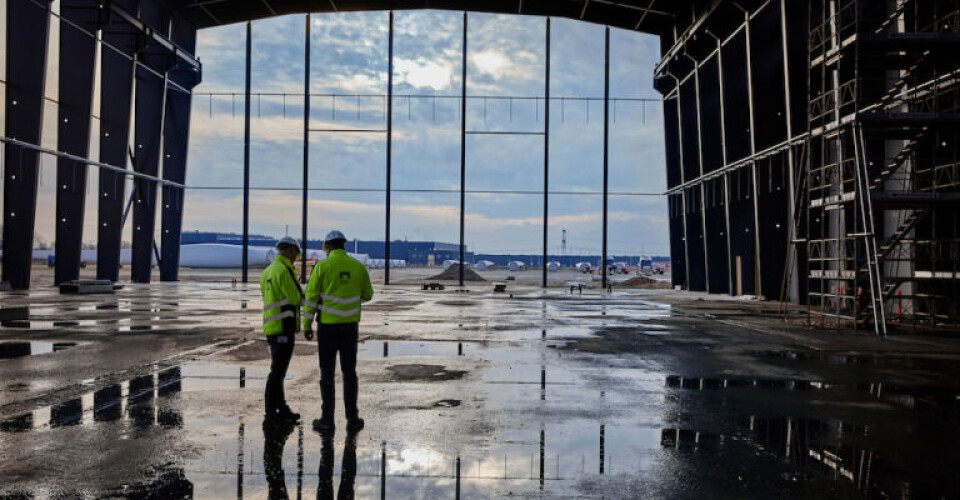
(553, 266)
(448, 263)
(583, 267)
(517, 266)
(381, 263)
(484, 265)
(90, 256)
(220, 256)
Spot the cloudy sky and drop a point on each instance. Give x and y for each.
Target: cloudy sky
(347, 171)
(505, 58)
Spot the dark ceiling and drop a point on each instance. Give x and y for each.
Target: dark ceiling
(649, 16)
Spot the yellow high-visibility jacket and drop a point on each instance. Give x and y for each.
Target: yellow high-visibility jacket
(281, 297)
(337, 287)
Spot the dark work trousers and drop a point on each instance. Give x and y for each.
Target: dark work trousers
(281, 349)
(331, 339)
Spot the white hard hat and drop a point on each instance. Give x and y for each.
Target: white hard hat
(288, 241)
(334, 235)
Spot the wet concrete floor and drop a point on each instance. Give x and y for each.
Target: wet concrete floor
(157, 392)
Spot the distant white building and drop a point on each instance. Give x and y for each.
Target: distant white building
(485, 265)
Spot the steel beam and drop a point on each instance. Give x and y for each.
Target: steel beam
(726, 180)
(546, 153)
(463, 145)
(793, 290)
(306, 142)
(155, 37)
(176, 133)
(386, 239)
(606, 150)
(116, 90)
(244, 267)
(753, 165)
(703, 197)
(683, 196)
(78, 52)
(149, 104)
(27, 29)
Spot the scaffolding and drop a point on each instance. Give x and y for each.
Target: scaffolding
(880, 232)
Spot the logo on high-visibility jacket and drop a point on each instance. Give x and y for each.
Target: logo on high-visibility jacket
(344, 277)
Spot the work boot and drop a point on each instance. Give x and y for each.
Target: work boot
(354, 424)
(287, 414)
(323, 425)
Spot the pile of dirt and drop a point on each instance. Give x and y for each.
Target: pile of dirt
(642, 282)
(452, 273)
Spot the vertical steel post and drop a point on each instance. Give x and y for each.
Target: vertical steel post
(27, 31)
(702, 185)
(246, 157)
(116, 96)
(793, 276)
(463, 144)
(758, 284)
(606, 149)
(726, 177)
(546, 153)
(77, 64)
(306, 142)
(386, 239)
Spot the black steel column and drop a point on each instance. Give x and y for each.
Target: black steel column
(463, 144)
(246, 159)
(176, 134)
(78, 52)
(116, 95)
(606, 149)
(546, 154)
(306, 143)
(149, 104)
(27, 29)
(386, 239)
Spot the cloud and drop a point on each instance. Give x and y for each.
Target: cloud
(421, 73)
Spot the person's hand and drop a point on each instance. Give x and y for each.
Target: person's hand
(308, 334)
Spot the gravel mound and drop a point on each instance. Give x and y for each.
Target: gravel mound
(642, 282)
(452, 273)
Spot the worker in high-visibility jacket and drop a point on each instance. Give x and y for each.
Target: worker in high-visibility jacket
(282, 297)
(338, 286)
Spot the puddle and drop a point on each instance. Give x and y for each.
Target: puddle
(377, 349)
(676, 381)
(137, 328)
(123, 400)
(424, 373)
(10, 350)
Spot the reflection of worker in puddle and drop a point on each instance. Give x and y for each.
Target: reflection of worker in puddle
(348, 469)
(274, 439)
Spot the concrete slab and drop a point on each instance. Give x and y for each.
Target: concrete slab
(635, 394)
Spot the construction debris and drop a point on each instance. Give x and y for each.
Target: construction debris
(641, 282)
(452, 273)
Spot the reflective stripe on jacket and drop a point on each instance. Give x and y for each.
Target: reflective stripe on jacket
(337, 287)
(281, 297)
